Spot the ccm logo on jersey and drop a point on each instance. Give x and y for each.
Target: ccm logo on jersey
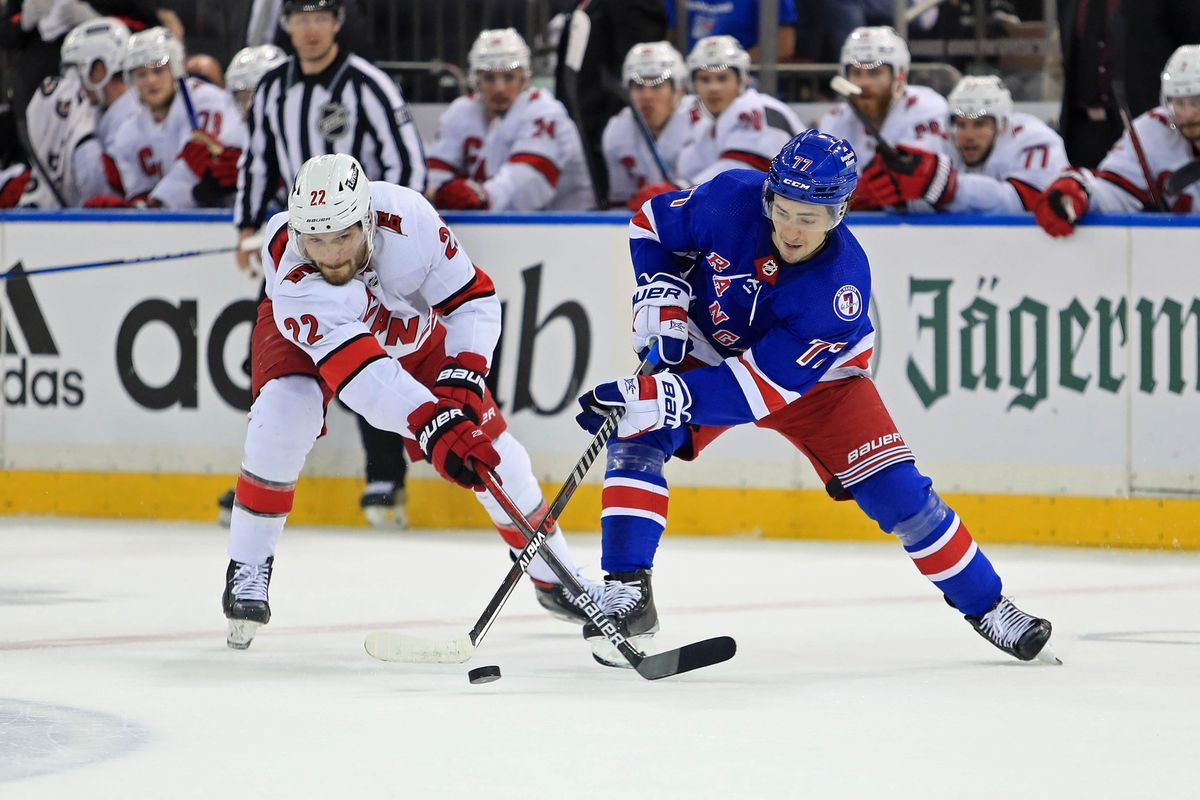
(874, 444)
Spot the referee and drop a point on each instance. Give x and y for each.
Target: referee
(327, 100)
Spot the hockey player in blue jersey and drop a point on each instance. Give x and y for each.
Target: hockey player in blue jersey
(757, 294)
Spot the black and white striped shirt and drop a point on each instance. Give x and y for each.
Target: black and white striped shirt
(350, 107)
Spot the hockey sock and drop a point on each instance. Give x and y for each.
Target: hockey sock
(633, 507)
(260, 511)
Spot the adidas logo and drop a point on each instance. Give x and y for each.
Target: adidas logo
(25, 334)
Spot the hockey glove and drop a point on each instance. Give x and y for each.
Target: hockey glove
(650, 402)
(225, 168)
(195, 154)
(1063, 202)
(922, 175)
(452, 443)
(649, 191)
(106, 201)
(660, 310)
(460, 381)
(876, 188)
(461, 194)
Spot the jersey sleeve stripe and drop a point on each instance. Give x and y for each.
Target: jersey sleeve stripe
(752, 159)
(542, 164)
(1027, 194)
(437, 163)
(479, 286)
(642, 225)
(339, 367)
(278, 245)
(1123, 183)
(763, 395)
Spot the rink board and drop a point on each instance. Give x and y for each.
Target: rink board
(1048, 387)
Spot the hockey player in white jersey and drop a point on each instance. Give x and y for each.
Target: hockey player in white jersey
(246, 68)
(739, 127)
(71, 118)
(876, 59)
(1170, 139)
(162, 158)
(370, 297)
(1001, 159)
(656, 77)
(507, 146)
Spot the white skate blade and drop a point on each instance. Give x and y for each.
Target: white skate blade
(389, 646)
(241, 633)
(1047, 656)
(386, 518)
(605, 653)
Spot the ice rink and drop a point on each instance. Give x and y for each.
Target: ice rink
(852, 679)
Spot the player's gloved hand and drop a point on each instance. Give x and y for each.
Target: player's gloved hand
(106, 201)
(197, 157)
(224, 168)
(461, 194)
(648, 191)
(922, 175)
(660, 310)
(1063, 202)
(11, 191)
(876, 188)
(452, 443)
(460, 380)
(649, 402)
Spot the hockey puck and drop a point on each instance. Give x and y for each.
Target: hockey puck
(484, 674)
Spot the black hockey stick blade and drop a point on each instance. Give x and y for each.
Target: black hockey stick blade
(696, 655)
(1179, 180)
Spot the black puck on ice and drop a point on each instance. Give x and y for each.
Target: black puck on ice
(484, 674)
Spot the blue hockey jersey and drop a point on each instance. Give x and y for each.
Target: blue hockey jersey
(768, 330)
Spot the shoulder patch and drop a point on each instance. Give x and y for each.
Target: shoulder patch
(847, 303)
(389, 221)
(300, 273)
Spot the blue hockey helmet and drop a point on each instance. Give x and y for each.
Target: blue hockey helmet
(813, 168)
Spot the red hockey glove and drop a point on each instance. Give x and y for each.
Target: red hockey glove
(10, 193)
(1063, 202)
(195, 154)
(106, 201)
(648, 191)
(876, 188)
(452, 443)
(461, 194)
(922, 175)
(460, 381)
(225, 168)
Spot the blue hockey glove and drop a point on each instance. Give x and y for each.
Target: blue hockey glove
(650, 402)
(660, 309)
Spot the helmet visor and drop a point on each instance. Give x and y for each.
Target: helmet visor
(797, 215)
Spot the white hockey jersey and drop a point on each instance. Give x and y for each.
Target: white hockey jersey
(146, 152)
(62, 130)
(631, 164)
(528, 160)
(108, 120)
(419, 284)
(916, 118)
(1024, 160)
(1118, 184)
(748, 133)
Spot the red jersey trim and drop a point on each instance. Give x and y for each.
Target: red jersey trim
(542, 164)
(753, 159)
(479, 286)
(339, 367)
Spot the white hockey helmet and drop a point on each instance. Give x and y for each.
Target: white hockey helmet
(154, 47)
(981, 96)
(103, 40)
(717, 53)
(498, 50)
(871, 47)
(249, 65)
(1181, 75)
(652, 63)
(330, 193)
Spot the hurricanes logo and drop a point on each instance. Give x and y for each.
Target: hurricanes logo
(24, 333)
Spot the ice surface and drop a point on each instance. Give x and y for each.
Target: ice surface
(853, 679)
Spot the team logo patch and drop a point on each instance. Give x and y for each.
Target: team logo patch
(847, 303)
(334, 120)
(718, 262)
(726, 338)
(766, 270)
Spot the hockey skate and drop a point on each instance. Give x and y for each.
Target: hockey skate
(225, 508)
(629, 599)
(385, 508)
(1015, 632)
(245, 601)
(560, 602)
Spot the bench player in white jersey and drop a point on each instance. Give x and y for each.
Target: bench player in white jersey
(656, 77)
(161, 159)
(69, 119)
(507, 146)
(1001, 159)
(877, 60)
(1170, 139)
(246, 69)
(370, 297)
(739, 127)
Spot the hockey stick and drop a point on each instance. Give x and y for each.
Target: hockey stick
(1179, 180)
(849, 90)
(651, 143)
(116, 262)
(391, 646)
(651, 667)
(1117, 30)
